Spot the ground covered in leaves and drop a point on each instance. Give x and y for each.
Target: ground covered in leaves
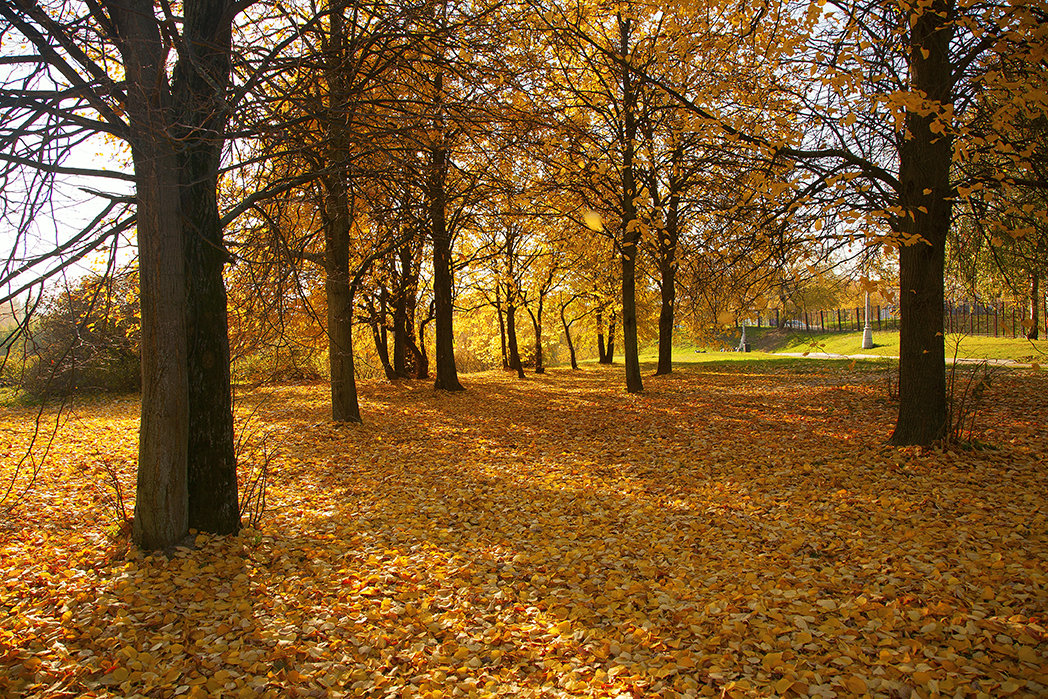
(731, 531)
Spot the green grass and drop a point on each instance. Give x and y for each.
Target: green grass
(886, 344)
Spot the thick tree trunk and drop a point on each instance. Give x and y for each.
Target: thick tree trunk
(199, 88)
(162, 500)
(443, 281)
(630, 224)
(344, 407)
(1035, 306)
(924, 166)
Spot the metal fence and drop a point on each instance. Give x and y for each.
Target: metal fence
(992, 319)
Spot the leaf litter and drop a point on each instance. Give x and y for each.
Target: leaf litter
(725, 533)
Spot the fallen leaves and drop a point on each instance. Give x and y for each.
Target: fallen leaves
(725, 533)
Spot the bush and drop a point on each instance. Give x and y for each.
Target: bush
(86, 339)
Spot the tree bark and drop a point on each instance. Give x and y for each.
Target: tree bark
(199, 84)
(443, 281)
(602, 355)
(376, 318)
(339, 294)
(630, 224)
(536, 323)
(609, 357)
(567, 335)
(924, 166)
(502, 326)
(162, 498)
(511, 337)
(668, 239)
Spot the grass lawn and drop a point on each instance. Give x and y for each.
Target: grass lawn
(886, 344)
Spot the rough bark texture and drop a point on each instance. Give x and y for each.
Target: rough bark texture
(337, 220)
(162, 499)
(344, 407)
(630, 225)
(199, 85)
(443, 279)
(924, 166)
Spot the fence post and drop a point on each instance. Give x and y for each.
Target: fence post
(878, 318)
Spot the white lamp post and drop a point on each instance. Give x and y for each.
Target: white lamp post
(867, 332)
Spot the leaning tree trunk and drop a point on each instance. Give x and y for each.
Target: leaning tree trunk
(162, 502)
(567, 335)
(924, 180)
(199, 88)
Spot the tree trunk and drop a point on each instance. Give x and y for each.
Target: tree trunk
(1035, 306)
(502, 326)
(668, 267)
(199, 88)
(419, 352)
(162, 501)
(339, 295)
(447, 373)
(924, 166)
(630, 224)
(536, 323)
(443, 276)
(567, 335)
(610, 356)
(602, 355)
(378, 332)
(511, 337)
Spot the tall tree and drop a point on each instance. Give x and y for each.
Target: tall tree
(173, 116)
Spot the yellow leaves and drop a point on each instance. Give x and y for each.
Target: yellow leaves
(593, 221)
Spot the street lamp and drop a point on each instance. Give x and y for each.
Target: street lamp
(867, 332)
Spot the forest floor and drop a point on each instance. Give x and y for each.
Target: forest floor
(739, 529)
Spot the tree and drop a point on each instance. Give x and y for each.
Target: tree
(173, 117)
